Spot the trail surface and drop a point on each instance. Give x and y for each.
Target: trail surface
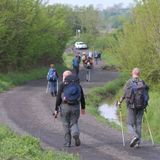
(27, 109)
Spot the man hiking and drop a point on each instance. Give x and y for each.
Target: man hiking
(70, 97)
(136, 96)
(75, 63)
(52, 78)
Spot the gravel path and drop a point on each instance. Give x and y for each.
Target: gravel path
(27, 109)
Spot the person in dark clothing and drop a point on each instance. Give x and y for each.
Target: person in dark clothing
(70, 112)
(75, 63)
(52, 77)
(135, 114)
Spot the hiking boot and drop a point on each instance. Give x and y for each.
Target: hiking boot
(133, 142)
(137, 145)
(67, 144)
(77, 140)
(55, 93)
(52, 94)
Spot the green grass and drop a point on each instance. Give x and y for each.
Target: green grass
(98, 95)
(153, 112)
(14, 147)
(68, 59)
(109, 58)
(13, 79)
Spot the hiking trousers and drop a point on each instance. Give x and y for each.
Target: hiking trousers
(135, 122)
(69, 116)
(53, 87)
(76, 70)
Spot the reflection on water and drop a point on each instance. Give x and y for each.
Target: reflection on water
(109, 112)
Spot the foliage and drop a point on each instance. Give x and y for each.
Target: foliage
(26, 148)
(138, 44)
(114, 17)
(87, 19)
(32, 33)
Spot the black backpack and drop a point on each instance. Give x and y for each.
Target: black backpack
(71, 91)
(137, 94)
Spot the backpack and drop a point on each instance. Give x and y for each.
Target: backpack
(88, 65)
(84, 57)
(138, 94)
(75, 62)
(71, 92)
(52, 76)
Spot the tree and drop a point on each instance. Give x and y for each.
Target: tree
(32, 33)
(138, 44)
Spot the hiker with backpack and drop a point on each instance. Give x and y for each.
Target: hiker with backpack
(136, 96)
(52, 78)
(69, 103)
(75, 63)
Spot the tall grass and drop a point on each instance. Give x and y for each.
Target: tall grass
(13, 147)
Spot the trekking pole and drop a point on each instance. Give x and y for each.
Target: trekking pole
(121, 123)
(55, 116)
(47, 87)
(120, 113)
(57, 85)
(149, 128)
(89, 75)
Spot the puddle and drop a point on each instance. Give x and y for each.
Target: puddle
(109, 112)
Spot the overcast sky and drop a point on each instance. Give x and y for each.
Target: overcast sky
(103, 3)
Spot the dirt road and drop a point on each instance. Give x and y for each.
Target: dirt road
(27, 109)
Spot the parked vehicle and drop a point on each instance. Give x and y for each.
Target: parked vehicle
(80, 45)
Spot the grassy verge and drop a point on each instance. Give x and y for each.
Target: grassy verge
(13, 147)
(13, 79)
(98, 95)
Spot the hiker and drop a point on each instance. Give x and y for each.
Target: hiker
(96, 57)
(70, 102)
(136, 96)
(90, 54)
(89, 63)
(52, 78)
(75, 64)
(84, 58)
(99, 55)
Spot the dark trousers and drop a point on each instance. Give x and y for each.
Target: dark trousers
(69, 116)
(76, 70)
(53, 87)
(135, 122)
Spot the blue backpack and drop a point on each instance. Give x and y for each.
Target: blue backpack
(52, 76)
(71, 92)
(139, 94)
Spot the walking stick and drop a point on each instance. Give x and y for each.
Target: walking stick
(149, 128)
(88, 74)
(54, 115)
(120, 114)
(57, 85)
(121, 123)
(47, 87)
